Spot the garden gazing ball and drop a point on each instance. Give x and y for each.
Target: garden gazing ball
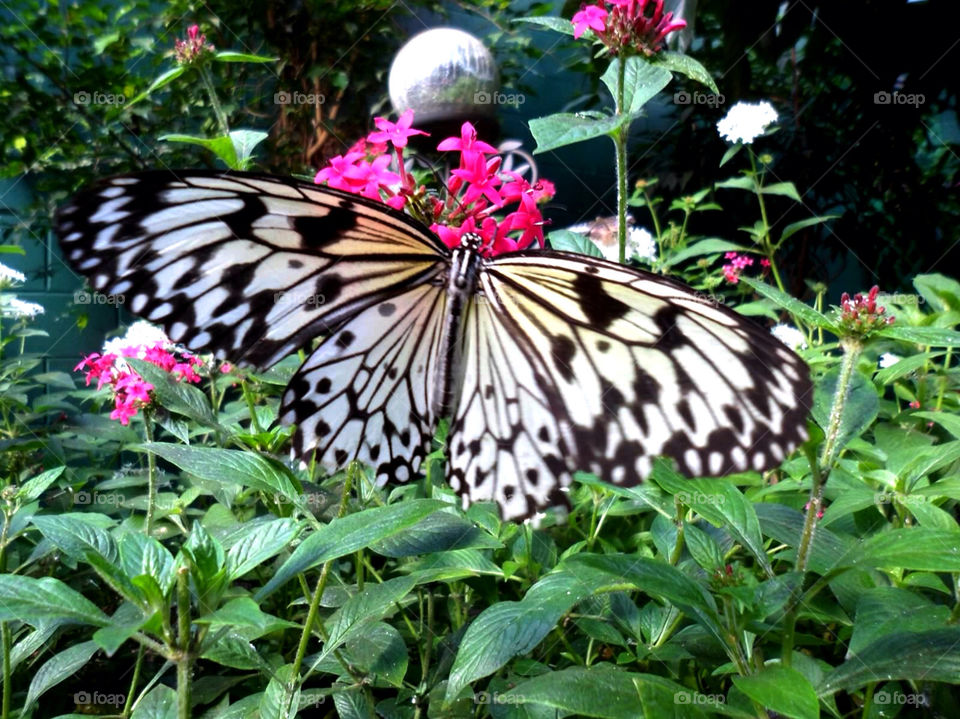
(444, 74)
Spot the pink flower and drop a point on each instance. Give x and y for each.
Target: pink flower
(396, 133)
(738, 263)
(193, 48)
(591, 16)
(226, 368)
(861, 315)
(467, 142)
(482, 177)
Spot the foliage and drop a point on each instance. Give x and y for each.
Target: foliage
(185, 550)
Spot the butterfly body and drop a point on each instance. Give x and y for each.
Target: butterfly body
(544, 362)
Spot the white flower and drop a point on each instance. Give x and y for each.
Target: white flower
(14, 307)
(140, 335)
(746, 121)
(640, 243)
(11, 275)
(790, 336)
(888, 359)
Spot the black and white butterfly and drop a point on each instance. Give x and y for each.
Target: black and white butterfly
(544, 362)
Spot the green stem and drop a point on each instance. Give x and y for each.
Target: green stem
(620, 142)
(314, 609)
(254, 420)
(151, 473)
(214, 102)
(132, 691)
(184, 659)
(7, 683)
(765, 242)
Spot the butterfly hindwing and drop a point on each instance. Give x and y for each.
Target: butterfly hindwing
(367, 392)
(243, 265)
(624, 366)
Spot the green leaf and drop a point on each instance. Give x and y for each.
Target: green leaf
(942, 292)
(274, 702)
(720, 503)
(235, 651)
(258, 543)
(222, 146)
(605, 692)
(730, 153)
(160, 703)
(506, 629)
(76, 533)
(34, 601)
(59, 667)
(164, 79)
(859, 411)
(687, 66)
(709, 246)
(230, 56)
(795, 307)
(244, 143)
(887, 610)
(33, 488)
(783, 690)
(566, 128)
(176, 396)
(785, 525)
(903, 367)
(380, 653)
(245, 617)
(437, 532)
(568, 241)
(347, 535)
(737, 183)
(795, 227)
(641, 82)
(932, 336)
(916, 548)
(786, 189)
(931, 656)
(557, 24)
(949, 422)
(227, 465)
(363, 609)
(142, 555)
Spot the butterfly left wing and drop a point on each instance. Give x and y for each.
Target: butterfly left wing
(585, 364)
(247, 266)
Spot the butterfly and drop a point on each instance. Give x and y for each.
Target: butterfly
(544, 362)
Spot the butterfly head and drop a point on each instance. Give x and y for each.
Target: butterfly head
(472, 241)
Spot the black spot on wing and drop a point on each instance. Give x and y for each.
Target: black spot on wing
(318, 231)
(387, 309)
(601, 309)
(562, 351)
(345, 339)
(671, 338)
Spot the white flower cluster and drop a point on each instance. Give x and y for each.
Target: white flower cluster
(140, 335)
(746, 121)
(790, 336)
(13, 307)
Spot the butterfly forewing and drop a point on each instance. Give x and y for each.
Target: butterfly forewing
(246, 266)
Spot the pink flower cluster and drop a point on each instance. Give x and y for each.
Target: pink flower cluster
(627, 26)
(130, 390)
(860, 314)
(738, 263)
(189, 50)
(475, 191)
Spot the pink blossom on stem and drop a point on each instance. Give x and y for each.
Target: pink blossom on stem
(397, 132)
(590, 16)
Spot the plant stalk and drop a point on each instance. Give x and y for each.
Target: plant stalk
(151, 473)
(184, 660)
(620, 136)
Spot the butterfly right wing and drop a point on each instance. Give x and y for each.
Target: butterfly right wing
(249, 267)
